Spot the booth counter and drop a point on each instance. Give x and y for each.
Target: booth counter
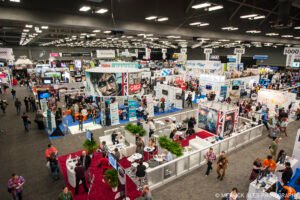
(169, 171)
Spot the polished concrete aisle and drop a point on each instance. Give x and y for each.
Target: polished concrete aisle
(197, 186)
(23, 153)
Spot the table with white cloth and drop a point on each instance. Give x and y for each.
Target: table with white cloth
(121, 147)
(71, 164)
(148, 149)
(134, 157)
(256, 191)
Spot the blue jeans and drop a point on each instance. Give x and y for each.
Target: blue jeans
(26, 126)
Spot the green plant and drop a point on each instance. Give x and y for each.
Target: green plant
(171, 146)
(111, 177)
(135, 129)
(90, 146)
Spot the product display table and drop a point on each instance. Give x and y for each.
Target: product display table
(258, 191)
(71, 164)
(134, 157)
(148, 149)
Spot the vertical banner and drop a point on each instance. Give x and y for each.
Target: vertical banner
(207, 52)
(164, 51)
(150, 106)
(114, 114)
(49, 122)
(122, 184)
(132, 110)
(147, 53)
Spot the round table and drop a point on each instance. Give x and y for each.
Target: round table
(136, 156)
(136, 164)
(148, 149)
(159, 158)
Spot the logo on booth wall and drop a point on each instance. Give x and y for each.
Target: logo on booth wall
(134, 88)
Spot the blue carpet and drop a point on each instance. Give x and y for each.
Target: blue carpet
(292, 183)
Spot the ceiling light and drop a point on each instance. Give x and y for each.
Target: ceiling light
(218, 7)
(204, 24)
(83, 34)
(253, 31)
(297, 38)
(248, 16)
(28, 26)
(201, 5)
(195, 23)
(151, 18)
(272, 34)
(74, 36)
(93, 34)
(39, 31)
(102, 11)
(203, 39)
(297, 27)
(26, 30)
(287, 36)
(44, 27)
(96, 31)
(224, 40)
(16, 1)
(85, 8)
(162, 19)
(107, 32)
(260, 17)
(230, 28)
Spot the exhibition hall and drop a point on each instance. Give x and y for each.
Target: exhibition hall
(150, 100)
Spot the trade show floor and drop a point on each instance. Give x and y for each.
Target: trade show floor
(99, 190)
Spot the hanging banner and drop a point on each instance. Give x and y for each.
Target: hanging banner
(105, 54)
(150, 106)
(207, 52)
(114, 114)
(132, 110)
(6, 54)
(49, 122)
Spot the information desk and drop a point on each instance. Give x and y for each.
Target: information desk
(71, 164)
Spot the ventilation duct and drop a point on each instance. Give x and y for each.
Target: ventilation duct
(284, 11)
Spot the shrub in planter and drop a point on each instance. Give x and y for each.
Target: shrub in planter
(135, 129)
(111, 177)
(171, 146)
(90, 146)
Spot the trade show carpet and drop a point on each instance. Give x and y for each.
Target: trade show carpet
(99, 190)
(294, 183)
(201, 134)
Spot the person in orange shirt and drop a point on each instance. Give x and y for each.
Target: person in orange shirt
(49, 150)
(287, 192)
(269, 163)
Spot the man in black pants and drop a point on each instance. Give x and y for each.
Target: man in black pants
(80, 176)
(210, 156)
(189, 100)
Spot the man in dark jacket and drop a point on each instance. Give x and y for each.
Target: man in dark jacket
(80, 176)
(287, 173)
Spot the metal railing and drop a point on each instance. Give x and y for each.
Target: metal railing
(170, 171)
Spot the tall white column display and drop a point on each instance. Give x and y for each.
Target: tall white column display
(207, 52)
(147, 54)
(239, 52)
(164, 51)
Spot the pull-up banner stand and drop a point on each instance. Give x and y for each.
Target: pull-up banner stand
(164, 51)
(239, 52)
(207, 52)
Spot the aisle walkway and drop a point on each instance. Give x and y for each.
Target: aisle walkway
(197, 186)
(23, 153)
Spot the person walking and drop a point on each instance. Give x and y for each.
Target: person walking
(274, 147)
(33, 105)
(265, 119)
(80, 122)
(222, 163)
(86, 162)
(26, 102)
(65, 194)
(13, 93)
(3, 105)
(287, 173)
(15, 186)
(50, 149)
(53, 163)
(189, 100)
(26, 121)
(210, 156)
(18, 105)
(80, 176)
(146, 193)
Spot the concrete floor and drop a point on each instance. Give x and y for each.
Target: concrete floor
(23, 153)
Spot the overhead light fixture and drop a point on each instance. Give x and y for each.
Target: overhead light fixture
(297, 27)
(102, 11)
(15, 1)
(83, 34)
(44, 27)
(217, 7)
(85, 8)
(28, 26)
(26, 30)
(253, 31)
(107, 32)
(151, 18)
(199, 24)
(39, 31)
(223, 40)
(297, 38)
(272, 34)
(259, 17)
(248, 16)
(287, 36)
(96, 31)
(93, 34)
(201, 5)
(230, 28)
(162, 19)
(204, 24)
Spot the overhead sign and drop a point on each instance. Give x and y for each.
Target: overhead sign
(208, 50)
(260, 57)
(183, 50)
(75, 54)
(6, 54)
(231, 58)
(239, 50)
(106, 53)
(214, 57)
(164, 50)
(291, 51)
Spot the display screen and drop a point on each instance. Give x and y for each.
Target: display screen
(236, 83)
(208, 87)
(208, 119)
(235, 87)
(165, 92)
(296, 64)
(113, 161)
(178, 96)
(47, 81)
(44, 95)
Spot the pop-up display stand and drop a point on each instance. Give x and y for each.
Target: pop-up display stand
(217, 118)
(171, 94)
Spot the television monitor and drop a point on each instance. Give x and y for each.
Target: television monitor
(178, 96)
(44, 95)
(208, 87)
(296, 64)
(113, 161)
(235, 87)
(78, 79)
(47, 81)
(165, 92)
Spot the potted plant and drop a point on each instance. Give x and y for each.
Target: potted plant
(171, 146)
(135, 129)
(111, 177)
(90, 146)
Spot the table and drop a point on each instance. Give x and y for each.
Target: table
(148, 149)
(71, 164)
(257, 192)
(134, 157)
(159, 158)
(119, 146)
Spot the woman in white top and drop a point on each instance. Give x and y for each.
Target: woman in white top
(84, 112)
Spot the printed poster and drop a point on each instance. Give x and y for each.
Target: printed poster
(114, 114)
(132, 110)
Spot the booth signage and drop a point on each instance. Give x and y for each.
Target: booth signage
(164, 50)
(183, 50)
(75, 54)
(6, 54)
(208, 50)
(291, 51)
(133, 88)
(106, 53)
(205, 64)
(239, 51)
(54, 55)
(132, 110)
(214, 57)
(114, 114)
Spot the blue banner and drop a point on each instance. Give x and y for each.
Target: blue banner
(132, 110)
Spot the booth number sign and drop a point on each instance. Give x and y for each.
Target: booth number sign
(239, 51)
(291, 51)
(208, 50)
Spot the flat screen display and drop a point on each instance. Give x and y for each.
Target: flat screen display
(208, 87)
(47, 81)
(165, 92)
(44, 95)
(113, 161)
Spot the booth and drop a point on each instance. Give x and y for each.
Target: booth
(172, 95)
(217, 118)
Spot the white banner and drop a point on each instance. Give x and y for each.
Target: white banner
(150, 106)
(114, 113)
(105, 53)
(6, 54)
(239, 51)
(291, 51)
(204, 64)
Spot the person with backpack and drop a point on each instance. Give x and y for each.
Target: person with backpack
(15, 186)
